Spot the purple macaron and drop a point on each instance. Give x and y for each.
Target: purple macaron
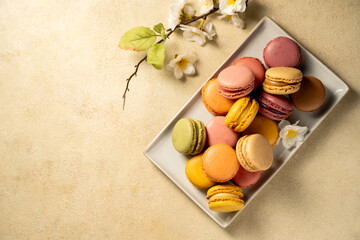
(275, 107)
(282, 52)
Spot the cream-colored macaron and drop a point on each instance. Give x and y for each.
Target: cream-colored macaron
(254, 153)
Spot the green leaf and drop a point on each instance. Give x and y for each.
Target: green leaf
(138, 39)
(159, 28)
(156, 55)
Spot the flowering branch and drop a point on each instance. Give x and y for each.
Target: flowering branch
(181, 16)
(160, 41)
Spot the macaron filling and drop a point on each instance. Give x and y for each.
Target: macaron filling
(228, 195)
(264, 106)
(279, 83)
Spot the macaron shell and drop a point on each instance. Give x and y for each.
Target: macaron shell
(232, 117)
(310, 96)
(247, 116)
(217, 132)
(235, 78)
(257, 152)
(219, 163)
(264, 126)
(256, 66)
(240, 153)
(224, 188)
(195, 174)
(213, 101)
(184, 137)
(236, 94)
(201, 137)
(284, 75)
(226, 204)
(245, 178)
(282, 52)
(275, 107)
(278, 103)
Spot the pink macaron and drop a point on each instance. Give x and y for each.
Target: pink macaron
(282, 52)
(256, 66)
(217, 132)
(275, 107)
(236, 81)
(245, 178)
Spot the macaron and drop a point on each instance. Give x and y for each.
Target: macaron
(236, 81)
(241, 114)
(245, 178)
(254, 153)
(282, 52)
(189, 136)
(219, 162)
(275, 107)
(225, 198)
(282, 80)
(310, 96)
(264, 126)
(217, 132)
(256, 66)
(195, 174)
(213, 101)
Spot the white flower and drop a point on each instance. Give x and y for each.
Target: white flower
(182, 64)
(195, 34)
(206, 6)
(179, 12)
(233, 19)
(291, 134)
(229, 7)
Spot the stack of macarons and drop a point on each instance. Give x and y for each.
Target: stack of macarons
(233, 149)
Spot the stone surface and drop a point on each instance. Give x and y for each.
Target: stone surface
(71, 160)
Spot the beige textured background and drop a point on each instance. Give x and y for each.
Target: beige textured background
(71, 160)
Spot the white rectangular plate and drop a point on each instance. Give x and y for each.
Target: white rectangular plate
(161, 152)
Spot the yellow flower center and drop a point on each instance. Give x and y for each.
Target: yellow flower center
(231, 2)
(291, 133)
(206, 3)
(182, 64)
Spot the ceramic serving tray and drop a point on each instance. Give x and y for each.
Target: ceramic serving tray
(161, 152)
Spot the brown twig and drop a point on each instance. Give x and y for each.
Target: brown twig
(170, 31)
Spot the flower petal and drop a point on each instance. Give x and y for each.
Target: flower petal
(208, 27)
(189, 70)
(175, 10)
(200, 40)
(189, 10)
(237, 21)
(283, 124)
(177, 72)
(288, 143)
(240, 6)
(190, 36)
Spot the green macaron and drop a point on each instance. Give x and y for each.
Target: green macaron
(189, 136)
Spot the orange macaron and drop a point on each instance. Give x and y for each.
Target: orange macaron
(213, 101)
(220, 163)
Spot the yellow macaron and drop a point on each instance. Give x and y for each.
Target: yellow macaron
(264, 126)
(241, 114)
(282, 80)
(195, 174)
(225, 198)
